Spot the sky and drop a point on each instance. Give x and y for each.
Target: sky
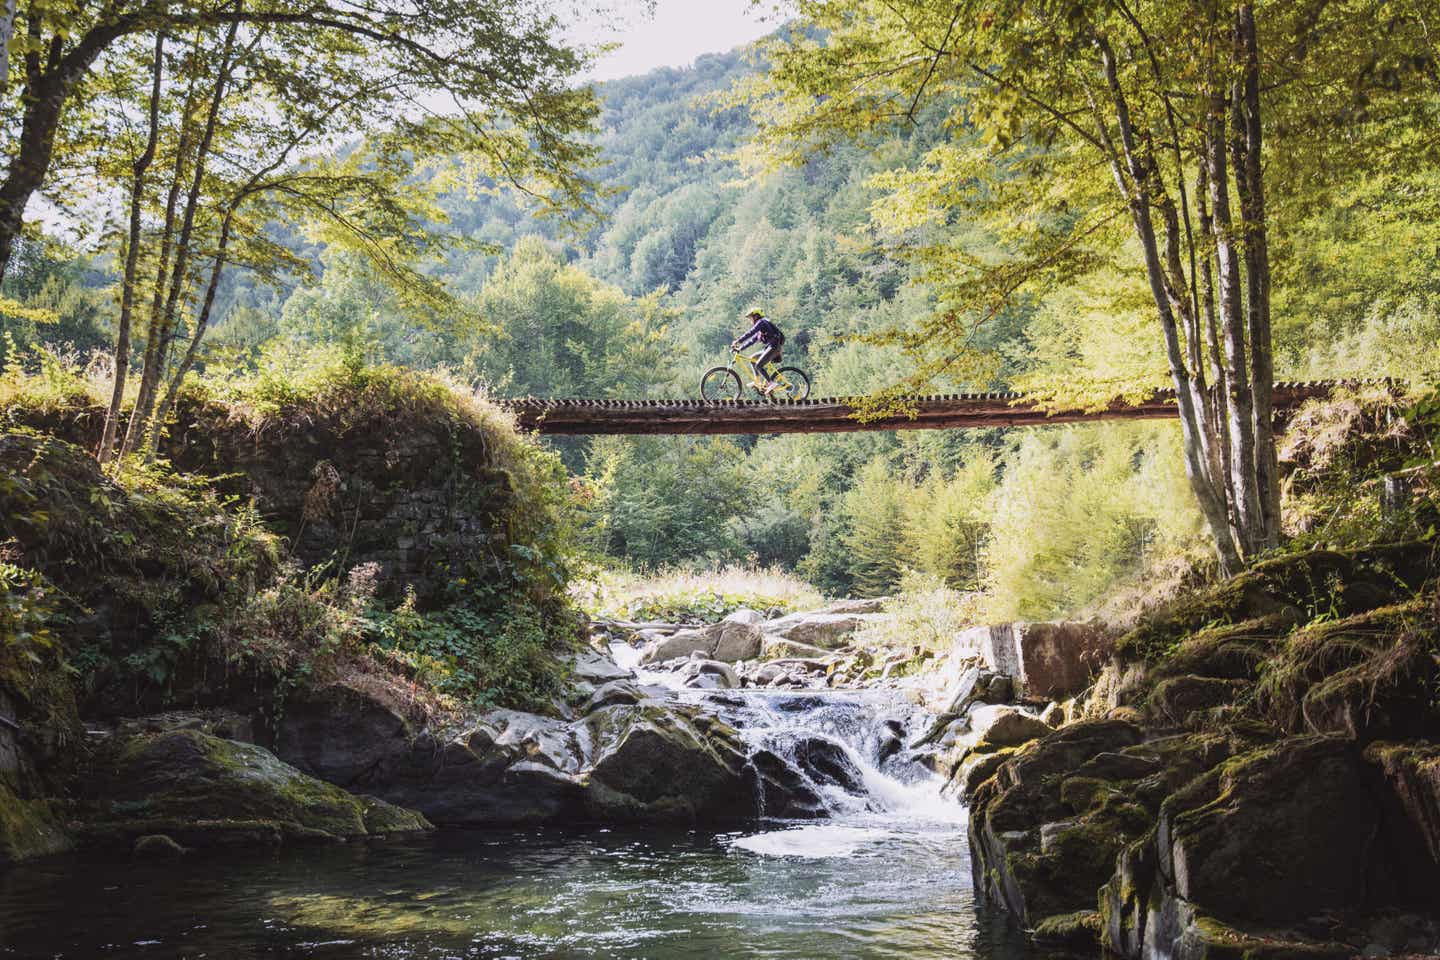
(677, 33)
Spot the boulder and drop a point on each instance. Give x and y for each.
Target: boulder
(746, 616)
(201, 791)
(1050, 660)
(592, 666)
(975, 769)
(658, 764)
(710, 675)
(728, 641)
(678, 646)
(1295, 820)
(827, 763)
(612, 693)
(341, 731)
(774, 648)
(1006, 726)
(736, 640)
(825, 630)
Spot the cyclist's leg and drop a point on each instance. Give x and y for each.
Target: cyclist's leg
(771, 355)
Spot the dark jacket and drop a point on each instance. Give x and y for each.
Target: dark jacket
(764, 331)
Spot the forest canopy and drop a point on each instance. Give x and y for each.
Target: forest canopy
(938, 227)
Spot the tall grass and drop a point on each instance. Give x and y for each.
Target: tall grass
(693, 596)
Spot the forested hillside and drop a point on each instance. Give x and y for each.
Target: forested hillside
(638, 297)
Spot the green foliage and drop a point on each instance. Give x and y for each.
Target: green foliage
(694, 596)
(479, 655)
(661, 501)
(1080, 511)
(29, 614)
(875, 514)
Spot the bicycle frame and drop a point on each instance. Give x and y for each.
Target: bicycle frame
(757, 380)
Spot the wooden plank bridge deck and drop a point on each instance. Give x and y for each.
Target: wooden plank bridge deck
(837, 414)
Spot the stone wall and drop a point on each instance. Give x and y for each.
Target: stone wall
(414, 493)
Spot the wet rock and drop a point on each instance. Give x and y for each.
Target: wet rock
(1053, 715)
(203, 791)
(828, 763)
(781, 790)
(710, 675)
(655, 764)
(612, 693)
(156, 846)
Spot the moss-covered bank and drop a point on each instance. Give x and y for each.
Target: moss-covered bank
(1255, 773)
(370, 526)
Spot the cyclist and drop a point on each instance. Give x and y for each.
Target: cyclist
(770, 337)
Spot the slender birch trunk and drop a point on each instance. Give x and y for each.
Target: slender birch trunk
(1212, 505)
(1245, 490)
(132, 257)
(1251, 184)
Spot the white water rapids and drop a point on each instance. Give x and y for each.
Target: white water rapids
(873, 792)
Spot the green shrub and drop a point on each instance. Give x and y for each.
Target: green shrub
(693, 596)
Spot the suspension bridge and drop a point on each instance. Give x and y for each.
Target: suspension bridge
(575, 417)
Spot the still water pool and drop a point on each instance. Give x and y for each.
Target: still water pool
(865, 886)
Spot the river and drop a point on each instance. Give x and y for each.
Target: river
(885, 874)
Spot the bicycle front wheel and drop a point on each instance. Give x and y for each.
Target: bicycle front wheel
(720, 383)
(793, 384)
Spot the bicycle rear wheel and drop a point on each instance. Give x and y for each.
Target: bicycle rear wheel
(720, 383)
(793, 384)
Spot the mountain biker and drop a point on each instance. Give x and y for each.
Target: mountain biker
(770, 336)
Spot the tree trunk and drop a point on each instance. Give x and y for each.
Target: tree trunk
(179, 277)
(7, 30)
(1244, 488)
(1212, 504)
(132, 257)
(1251, 185)
(32, 160)
(202, 321)
(144, 398)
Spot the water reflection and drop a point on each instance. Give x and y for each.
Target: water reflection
(837, 891)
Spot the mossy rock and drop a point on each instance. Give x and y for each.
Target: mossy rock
(1412, 776)
(1298, 586)
(979, 766)
(29, 828)
(1295, 819)
(1186, 701)
(1075, 931)
(210, 791)
(1365, 676)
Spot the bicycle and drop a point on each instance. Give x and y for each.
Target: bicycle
(723, 383)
